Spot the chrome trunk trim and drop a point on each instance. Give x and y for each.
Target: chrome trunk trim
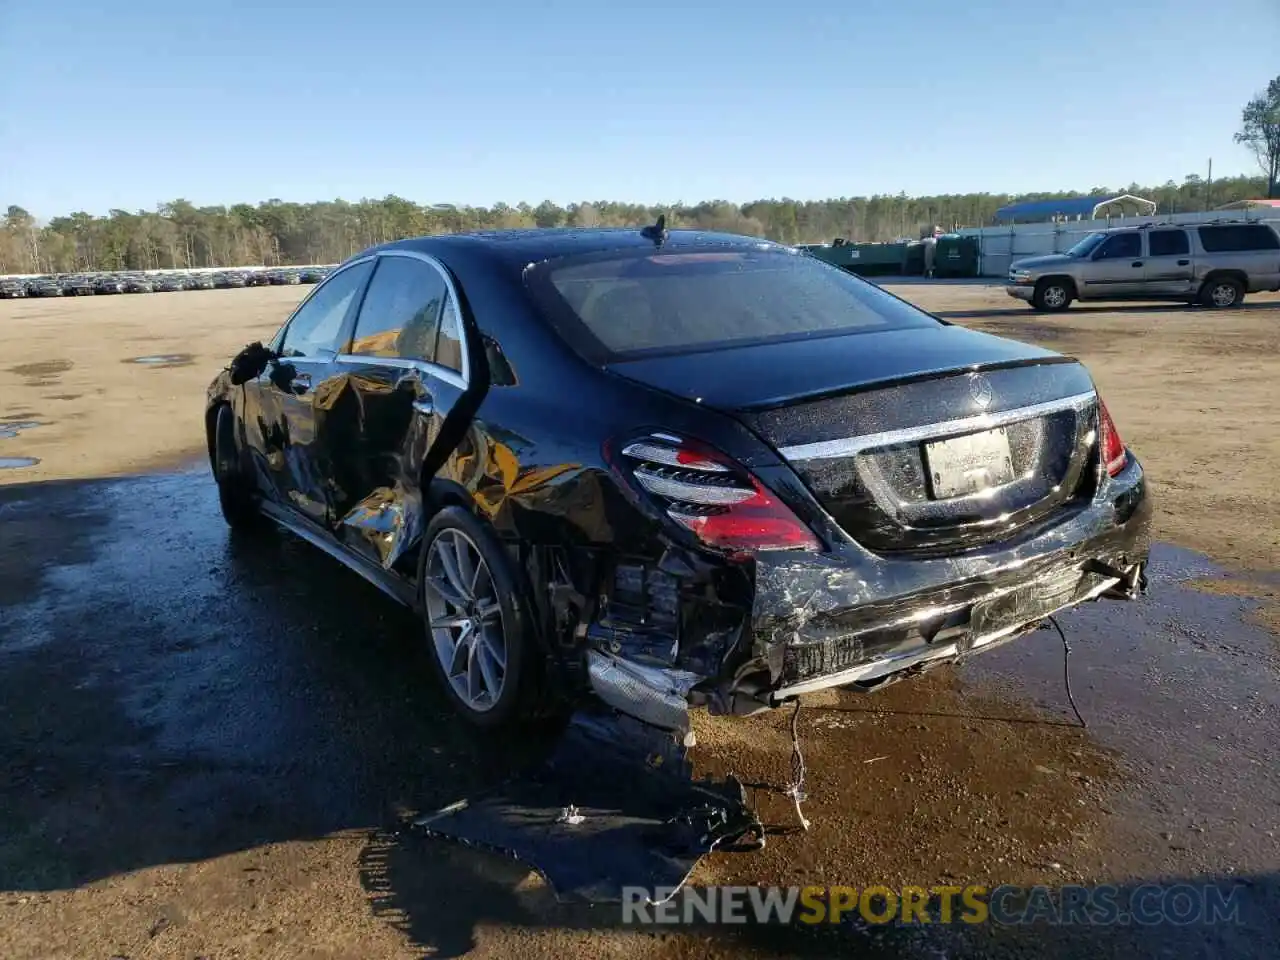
(849, 446)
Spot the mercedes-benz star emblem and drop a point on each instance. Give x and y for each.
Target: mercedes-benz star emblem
(980, 390)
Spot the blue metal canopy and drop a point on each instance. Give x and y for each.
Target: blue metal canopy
(1036, 211)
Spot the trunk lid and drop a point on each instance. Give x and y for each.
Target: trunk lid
(764, 375)
(920, 441)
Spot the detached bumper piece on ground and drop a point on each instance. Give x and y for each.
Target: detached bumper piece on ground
(614, 806)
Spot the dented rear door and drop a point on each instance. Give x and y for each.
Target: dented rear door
(386, 408)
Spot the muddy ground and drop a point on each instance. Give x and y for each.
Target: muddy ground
(206, 755)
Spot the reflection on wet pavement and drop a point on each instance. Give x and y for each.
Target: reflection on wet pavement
(11, 428)
(170, 693)
(163, 360)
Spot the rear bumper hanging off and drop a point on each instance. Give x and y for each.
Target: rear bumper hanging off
(853, 618)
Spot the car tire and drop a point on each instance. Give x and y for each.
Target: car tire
(1222, 293)
(1050, 296)
(477, 626)
(236, 496)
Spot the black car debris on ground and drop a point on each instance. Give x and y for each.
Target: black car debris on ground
(674, 469)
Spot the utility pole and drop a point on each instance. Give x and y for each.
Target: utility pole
(1208, 190)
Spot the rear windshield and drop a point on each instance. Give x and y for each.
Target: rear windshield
(624, 303)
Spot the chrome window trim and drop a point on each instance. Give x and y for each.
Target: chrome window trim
(400, 363)
(460, 379)
(849, 446)
(277, 341)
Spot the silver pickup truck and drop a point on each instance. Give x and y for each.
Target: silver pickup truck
(1215, 264)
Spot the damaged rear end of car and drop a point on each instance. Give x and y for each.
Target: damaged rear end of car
(840, 508)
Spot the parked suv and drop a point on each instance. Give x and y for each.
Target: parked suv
(1215, 264)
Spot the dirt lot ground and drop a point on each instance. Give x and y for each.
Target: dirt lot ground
(208, 756)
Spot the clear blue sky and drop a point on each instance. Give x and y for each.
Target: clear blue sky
(131, 103)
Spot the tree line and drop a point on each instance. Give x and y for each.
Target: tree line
(273, 233)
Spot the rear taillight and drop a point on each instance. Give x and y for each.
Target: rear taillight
(717, 500)
(1109, 442)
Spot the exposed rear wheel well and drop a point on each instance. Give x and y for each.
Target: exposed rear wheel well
(438, 493)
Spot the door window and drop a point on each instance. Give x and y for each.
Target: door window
(313, 331)
(1168, 243)
(449, 343)
(399, 315)
(1121, 246)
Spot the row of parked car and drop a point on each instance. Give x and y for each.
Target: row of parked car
(87, 284)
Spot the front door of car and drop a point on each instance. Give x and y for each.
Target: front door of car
(404, 374)
(1170, 269)
(286, 392)
(1115, 268)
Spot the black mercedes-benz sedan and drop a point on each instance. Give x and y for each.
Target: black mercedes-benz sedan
(673, 468)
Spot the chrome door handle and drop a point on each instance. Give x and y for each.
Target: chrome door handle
(1184, 263)
(1136, 263)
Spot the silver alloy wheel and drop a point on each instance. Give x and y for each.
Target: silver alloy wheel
(1223, 294)
(1054, 296)
(465, 619)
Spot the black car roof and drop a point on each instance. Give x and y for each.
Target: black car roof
(520, 247)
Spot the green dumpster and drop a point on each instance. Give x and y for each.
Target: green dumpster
(872, 259)
(956, 256)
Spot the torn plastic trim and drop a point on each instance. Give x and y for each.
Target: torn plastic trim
(653, 694)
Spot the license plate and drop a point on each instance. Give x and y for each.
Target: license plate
(970, 464)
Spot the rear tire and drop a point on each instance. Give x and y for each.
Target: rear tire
(1222, 293)
(1052, 296)
(236, 495)
(476, 623)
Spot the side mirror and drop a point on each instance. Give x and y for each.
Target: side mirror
(249, 363)
(500, 372)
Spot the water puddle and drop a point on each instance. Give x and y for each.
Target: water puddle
(11, 463)
(1184, 684)
(163, 360)
(11, 428)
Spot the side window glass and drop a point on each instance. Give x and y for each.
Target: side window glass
(1239, 238)
(399, 313)
(313, 331)
(449, 344)
(1168, 243)
(1121, 246)
(1218, 239)
(1262, 238)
